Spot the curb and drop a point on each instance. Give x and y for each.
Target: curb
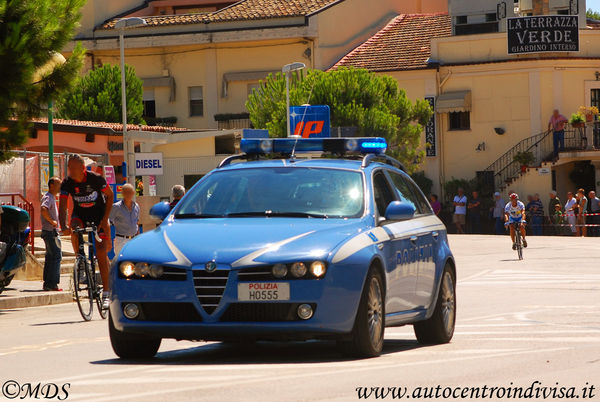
(46, 299)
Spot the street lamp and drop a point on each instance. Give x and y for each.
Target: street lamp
(287, 69)
(56, 60)
(122, 25)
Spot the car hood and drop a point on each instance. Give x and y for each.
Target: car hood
(241, 242)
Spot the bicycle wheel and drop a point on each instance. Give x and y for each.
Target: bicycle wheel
(83, 290)
(519, 242)
(98, 296)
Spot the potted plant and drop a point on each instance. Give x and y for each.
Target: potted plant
(577, 120)
(524, 158)
(589, 112)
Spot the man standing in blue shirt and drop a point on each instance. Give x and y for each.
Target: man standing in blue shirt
(124, 216)
(53, 254)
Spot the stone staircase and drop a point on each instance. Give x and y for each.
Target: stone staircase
(68, 256)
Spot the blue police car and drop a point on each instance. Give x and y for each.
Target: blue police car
(271, 246)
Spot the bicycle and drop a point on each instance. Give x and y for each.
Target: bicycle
(518, 240)
(85, 283)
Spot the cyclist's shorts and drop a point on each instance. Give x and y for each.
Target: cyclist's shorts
(513, 220)
(77, 222)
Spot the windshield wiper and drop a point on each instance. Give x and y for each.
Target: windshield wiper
(197, 216)
(278, 214)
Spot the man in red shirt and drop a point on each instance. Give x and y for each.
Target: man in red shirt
(557, 125)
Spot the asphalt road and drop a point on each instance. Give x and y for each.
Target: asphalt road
(518, 322)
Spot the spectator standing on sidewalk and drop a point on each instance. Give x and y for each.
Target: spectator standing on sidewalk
(557, 125)
(536, 212)
(582, 201)
(594, 209)
(498, 213)
(570, 212)
(460, 210)
(554, 201)
(53, 255)
(124, 216)
(557, 219)
(177, 193)
(474, 207)
(436, 205)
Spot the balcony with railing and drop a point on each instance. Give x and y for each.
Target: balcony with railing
(541, 147)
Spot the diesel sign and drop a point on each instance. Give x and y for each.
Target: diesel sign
(548, 33)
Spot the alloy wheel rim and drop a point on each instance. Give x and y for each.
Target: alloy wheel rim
(375, 312)
(448, 302)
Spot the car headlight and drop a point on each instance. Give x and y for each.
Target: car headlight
(127, 269)
(318, 269)
(142, 269)
(298, 269)
(156, 271)
(279, 270)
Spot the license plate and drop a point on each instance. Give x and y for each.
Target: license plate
(263, 291)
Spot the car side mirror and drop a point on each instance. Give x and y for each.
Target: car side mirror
(160, 210)
(399, 211)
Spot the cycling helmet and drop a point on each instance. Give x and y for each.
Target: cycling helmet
(514, 196)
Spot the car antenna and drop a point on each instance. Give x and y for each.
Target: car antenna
(293, 155)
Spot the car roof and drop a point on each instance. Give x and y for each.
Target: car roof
(348, 164)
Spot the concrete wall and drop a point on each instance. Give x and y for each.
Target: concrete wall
(530, 183)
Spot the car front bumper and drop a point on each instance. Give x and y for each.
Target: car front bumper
(172, 309)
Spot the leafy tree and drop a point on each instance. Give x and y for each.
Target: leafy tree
(97, 96)
(372, 103)
(31, 34)
(595, 15)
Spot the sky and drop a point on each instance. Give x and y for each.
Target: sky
(593, 4)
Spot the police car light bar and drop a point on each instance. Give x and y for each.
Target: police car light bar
(364, 145)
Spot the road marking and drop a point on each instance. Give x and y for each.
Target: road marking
(312, 373)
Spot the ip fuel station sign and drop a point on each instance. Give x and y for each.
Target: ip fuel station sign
(544, 33)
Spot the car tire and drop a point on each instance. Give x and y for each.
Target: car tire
(439, 328)
(129, 346)
(369, 325)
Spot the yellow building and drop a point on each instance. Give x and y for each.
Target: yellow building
(201, 58)
(491, 103)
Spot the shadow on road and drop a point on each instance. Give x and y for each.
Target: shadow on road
(43, 324)
(259, 353)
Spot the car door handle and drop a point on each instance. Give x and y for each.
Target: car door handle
(413, 239)
(435, 235)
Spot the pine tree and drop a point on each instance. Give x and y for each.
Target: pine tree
(97, 96)
(32, 32)
(372, 103)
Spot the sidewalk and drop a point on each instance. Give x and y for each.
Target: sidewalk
(21, 294)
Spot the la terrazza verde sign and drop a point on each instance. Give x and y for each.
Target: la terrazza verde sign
(544, 33)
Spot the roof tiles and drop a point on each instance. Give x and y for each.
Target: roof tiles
(403, 44)
(243, 10)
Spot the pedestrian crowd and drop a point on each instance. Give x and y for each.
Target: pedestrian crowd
(578, 216)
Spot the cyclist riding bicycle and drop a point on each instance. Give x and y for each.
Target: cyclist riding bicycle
(514, 211)
(89, 192)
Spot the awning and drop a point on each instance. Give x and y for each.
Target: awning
(459, 101)
(244, 76)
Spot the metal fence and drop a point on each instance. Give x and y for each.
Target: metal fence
(27, 175)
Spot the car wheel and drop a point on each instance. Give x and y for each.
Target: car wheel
(369, 325)
(439, 328)
(129, 346)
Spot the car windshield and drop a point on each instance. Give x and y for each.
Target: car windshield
(285, 192)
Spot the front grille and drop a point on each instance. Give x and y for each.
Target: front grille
(173, 312)
(256, 274)
(262, 312)
(173, 274)
(210, 287)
